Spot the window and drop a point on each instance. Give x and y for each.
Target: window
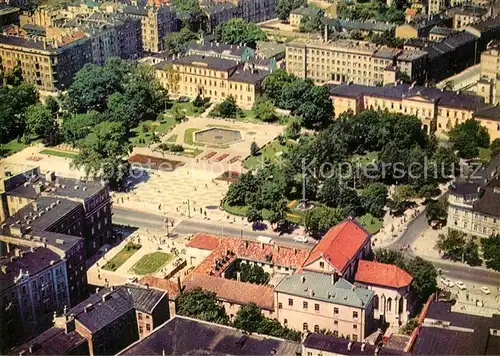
(316, 307)
(304, 305)
(322, 264)
(355, 314)
(280, 305)
(316, 328)
(375, 302)
(335, 310)
(139, 315)
(148, 327)
(389, 304)
(141, 330)
(305, 327)
(354, 326)
(290, 302)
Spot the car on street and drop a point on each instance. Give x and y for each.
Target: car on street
(447, 282)
(485, 290)
(299, 238)
(460, 285)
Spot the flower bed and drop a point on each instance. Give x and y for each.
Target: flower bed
(222, 157)
(209, 155)
(229, 176)
(158, 163)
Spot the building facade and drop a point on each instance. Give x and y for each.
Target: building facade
(309, 301)
(215, 78)
(48, 64)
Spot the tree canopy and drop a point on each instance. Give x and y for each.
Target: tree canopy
(284, 7)
(201, 304)
(491, 251)
(468, 137)
(320, 219)
(237, 31)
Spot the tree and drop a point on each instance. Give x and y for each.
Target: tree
(274, 82)
(201, 304)
(391, 257)
(318, 220)
(254, 214)
(237, 31)
(264, 110)
(14, 77)
(424, 278)
(254, 149)
(410, 325)
(293, 128)
(467, 137)
(455, 246)
(310, 23)
(437, 210)
(374, 198)
(40, 121)
(14, 102)
(491, 251)
(176, 42)
(226, 109)
(52, 104)
(103, 153)
(77, 126)
(248, 318)
(495, 147)
(239, 190)
(316, 108)
(284, 7)
(178, 114)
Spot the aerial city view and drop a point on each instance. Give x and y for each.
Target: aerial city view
(250, 177)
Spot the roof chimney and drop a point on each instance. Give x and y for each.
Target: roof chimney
(311, 292)
(303, 279)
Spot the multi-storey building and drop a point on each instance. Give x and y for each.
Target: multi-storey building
(316, 301)
(474, 204)
(435, 6)
(156, 23)
(422, 26)
(33, 284)
(251, 10)
(393, 300)
(438, 110)
(104, 323)
(219, 13)
(349, 61)
(212, 77)
(464, 16)
(488, 85)
(111, 35)
(8, 15)
(48, 64)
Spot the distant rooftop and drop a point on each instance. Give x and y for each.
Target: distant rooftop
(307, 11)
(358, 25)
(202, 61)
(181, 336)
(6, 9)
(323, 287)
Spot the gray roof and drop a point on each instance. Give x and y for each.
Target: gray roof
(249, 76)
(342, 292)
(135, 10)
(54, 341)
(145, 299)
(181, 336)
(443, 31)
(340, 346)
(31, 261)
(216, 47)
(24, 43)
(307, 11)
(491, 24)
(216, 8)
(468, 10)
(411, 55)
(358, 25)
(6, 9)
(209, 62)
(489, 112)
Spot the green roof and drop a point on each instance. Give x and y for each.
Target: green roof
(342, 292)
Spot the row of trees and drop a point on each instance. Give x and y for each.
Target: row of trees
(455, 245)
(201, 304)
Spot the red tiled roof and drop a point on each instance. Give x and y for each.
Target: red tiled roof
(163, 284)
(340, 244)
(238, 248)
(72, 37)
(233, 291)
(382, 274)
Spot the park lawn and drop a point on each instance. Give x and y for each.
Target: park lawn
(191, 152)
(269, 151)
(164, 125)
(11, 147)
(121, 257)
(59, 153)
(152, 262)
(371, 223)
(188, 137)
(172, 139)
(142, 139)
(484, 154)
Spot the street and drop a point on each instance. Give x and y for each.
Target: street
(124, 216)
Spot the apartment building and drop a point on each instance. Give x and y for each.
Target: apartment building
(474, 204)
(464, 16)
(435, 6)
(49, 64)
(309, 301)
(421, 27)
(33, 285)
(250, 10)
(393, 301)
(438, 110)
(349, 61)
(216, 78)
(156, 23)
(104, 323)
(219, 13)
(111, 35)
(488, 85)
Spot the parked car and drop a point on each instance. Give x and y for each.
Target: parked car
(299, 238)
(183, 99)
(447, 282)
(460, 285)
(485, 290)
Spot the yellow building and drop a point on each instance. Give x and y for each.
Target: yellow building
(464, 16)
(489, 85)
(349, 61)
(212, 77)
(310, 301)
(50, 64)
(438, 110)
(297, 15)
